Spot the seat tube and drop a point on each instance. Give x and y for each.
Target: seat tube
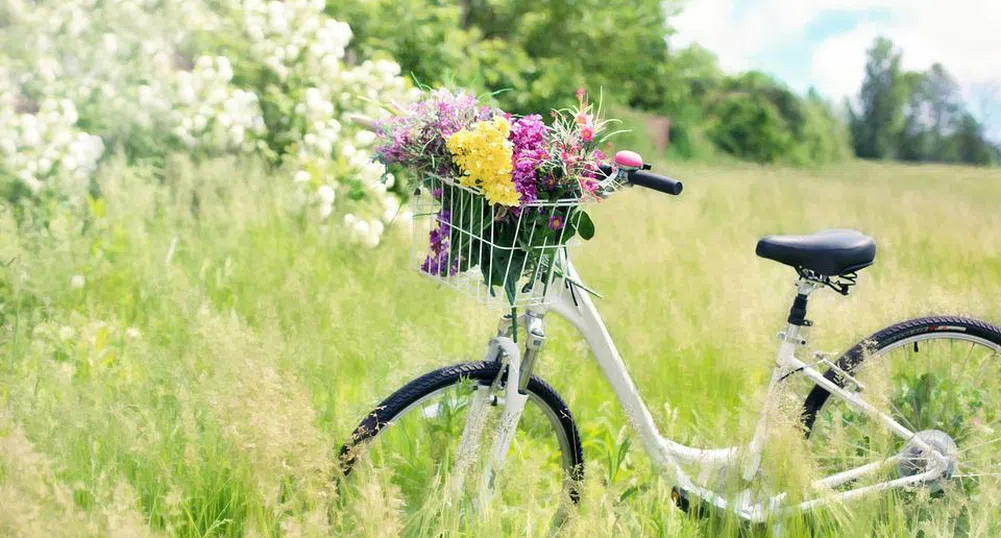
(784, 358)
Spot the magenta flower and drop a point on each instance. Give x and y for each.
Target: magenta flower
(528, 135)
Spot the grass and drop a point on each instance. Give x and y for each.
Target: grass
(200, 381)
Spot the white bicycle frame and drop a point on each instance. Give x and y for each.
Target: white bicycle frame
(574, 304)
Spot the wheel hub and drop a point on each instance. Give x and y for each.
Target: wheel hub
(916, 460)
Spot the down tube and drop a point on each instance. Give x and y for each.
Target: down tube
(585, 318)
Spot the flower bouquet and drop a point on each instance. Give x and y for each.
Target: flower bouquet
(499, 193)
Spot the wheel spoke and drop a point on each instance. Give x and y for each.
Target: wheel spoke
(416, 449)
(966, 360)
(949, 389)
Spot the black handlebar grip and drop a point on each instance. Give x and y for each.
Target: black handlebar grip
(652, 181)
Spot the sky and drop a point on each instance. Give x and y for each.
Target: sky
(822, 43)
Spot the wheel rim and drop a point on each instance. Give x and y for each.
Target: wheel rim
(413, 457)
(945, 382)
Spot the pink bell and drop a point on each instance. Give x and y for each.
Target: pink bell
(629, 159)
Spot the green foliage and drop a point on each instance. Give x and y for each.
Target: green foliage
(537, 53)
(541, 51)
(915, 116)
(823, 137)
(758, 119)
(971, 144)
(425, 38)
(750, 127)
(876, 124)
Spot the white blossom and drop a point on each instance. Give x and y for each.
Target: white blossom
(126, 60)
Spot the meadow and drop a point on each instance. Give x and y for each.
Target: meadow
(186, 360)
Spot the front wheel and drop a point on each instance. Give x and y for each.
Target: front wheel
(940, 377)
(411, 444)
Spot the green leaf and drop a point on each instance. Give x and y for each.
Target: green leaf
(585, 227)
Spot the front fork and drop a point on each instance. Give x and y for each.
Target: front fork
(515, 381)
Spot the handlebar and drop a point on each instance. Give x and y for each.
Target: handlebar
(649, 180)
(656, 182)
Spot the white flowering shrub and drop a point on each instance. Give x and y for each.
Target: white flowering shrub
(44, 147)
(303, 50)
(83, 78)
(208, 112)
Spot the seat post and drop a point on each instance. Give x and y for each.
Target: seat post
(797, 313)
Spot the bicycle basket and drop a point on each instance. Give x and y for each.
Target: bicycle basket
(496, 255)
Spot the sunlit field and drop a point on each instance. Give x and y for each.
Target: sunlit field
(188, 359)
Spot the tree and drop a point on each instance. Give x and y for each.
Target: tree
(824, 137)
(946, 108)
(543, 51)
(917, 116)
(876, 124)
(914, 142)
(971, 145)
(536, 54)
(755, 118)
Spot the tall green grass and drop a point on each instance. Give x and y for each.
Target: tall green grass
(220, 349)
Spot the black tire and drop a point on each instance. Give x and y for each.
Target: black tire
(853, 359)
(483, 373)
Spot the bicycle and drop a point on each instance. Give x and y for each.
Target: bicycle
(922, 430)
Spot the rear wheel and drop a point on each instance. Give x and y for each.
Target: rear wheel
(940, 377)
(410, 445)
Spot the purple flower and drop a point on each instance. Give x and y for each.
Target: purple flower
(416, 137)
(528, 135)
(556, 223)
(436, 263)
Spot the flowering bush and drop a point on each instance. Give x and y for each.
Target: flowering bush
(79, 78)
(209, 113)
(306, 93)
(46, 146)
(508, 190)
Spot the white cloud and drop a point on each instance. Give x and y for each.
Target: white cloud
(964, 35)
(740, 30)
(838, 64)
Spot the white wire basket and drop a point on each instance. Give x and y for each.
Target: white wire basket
(499, 256)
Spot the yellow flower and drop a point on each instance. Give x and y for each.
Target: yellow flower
(483, 154)
(501, 193)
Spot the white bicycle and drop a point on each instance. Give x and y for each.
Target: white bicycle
(912, 406)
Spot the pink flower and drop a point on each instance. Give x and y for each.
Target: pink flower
(581, 93)
(587, 134)
(583, 119)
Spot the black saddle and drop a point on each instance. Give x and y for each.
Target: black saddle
(827, 253)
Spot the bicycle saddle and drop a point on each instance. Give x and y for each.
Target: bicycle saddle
(828, 253)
